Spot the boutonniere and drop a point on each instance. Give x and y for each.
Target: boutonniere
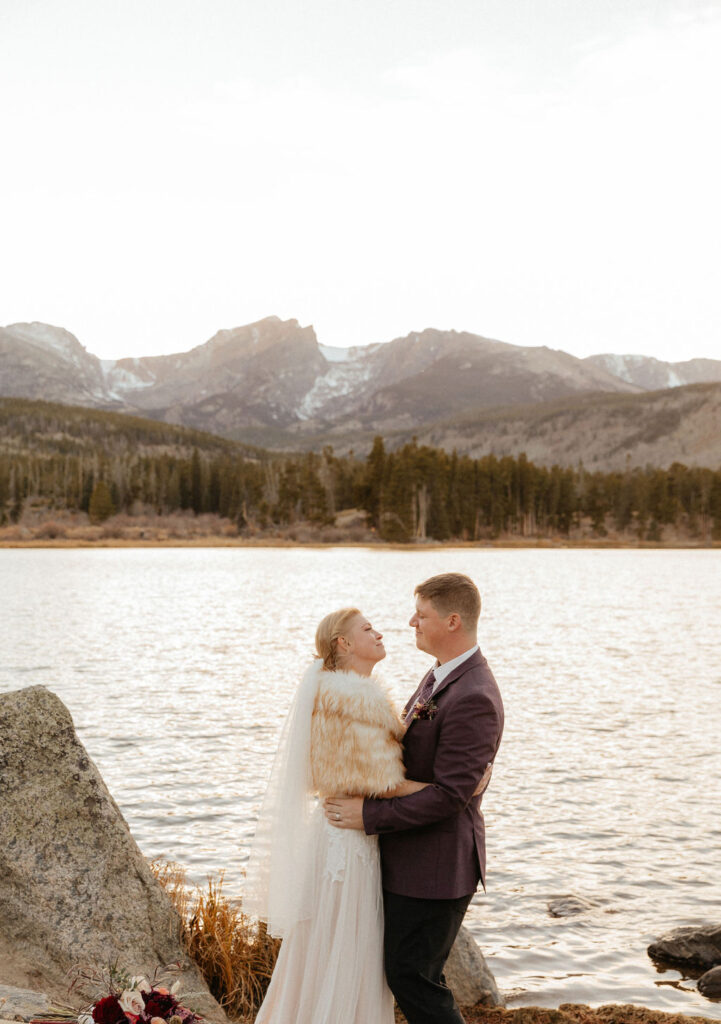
(423, 712)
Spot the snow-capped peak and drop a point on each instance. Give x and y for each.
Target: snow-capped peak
(348, 369)
(335, 355)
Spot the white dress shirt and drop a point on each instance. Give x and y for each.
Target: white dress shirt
(441, 671)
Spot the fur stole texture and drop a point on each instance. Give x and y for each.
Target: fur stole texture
(355, 737)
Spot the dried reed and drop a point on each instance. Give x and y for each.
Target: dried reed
(235, 954)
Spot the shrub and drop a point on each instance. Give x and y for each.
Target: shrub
(235, 954)
(112, 530)
(50, 530)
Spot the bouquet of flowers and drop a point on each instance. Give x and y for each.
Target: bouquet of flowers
(128, 1000)
(140, 1003)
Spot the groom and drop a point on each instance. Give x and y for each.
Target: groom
(432, 842)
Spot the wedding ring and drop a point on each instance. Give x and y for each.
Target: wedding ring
(337, 817)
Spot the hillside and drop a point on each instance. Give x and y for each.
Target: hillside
(50, 428)
(604, 432)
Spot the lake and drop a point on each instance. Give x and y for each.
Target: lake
(179, 664)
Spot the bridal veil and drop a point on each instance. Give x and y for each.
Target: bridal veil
(281, 856)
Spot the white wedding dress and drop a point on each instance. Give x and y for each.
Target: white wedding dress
(318, 888)
(330, 966)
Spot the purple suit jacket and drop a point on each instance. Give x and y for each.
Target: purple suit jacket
(433, 842)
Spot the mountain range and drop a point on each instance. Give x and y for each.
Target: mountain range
(272, 383)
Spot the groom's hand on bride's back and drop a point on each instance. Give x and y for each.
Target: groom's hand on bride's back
(486, 778)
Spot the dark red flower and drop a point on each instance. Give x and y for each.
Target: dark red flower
(109, 1011)
(158, 1004)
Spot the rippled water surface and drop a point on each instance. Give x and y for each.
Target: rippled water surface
(178, 665)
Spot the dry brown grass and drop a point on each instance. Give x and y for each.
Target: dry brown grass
(235, 954)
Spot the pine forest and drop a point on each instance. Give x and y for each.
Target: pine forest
(56, 459)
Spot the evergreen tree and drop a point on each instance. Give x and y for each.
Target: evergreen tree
(16, 509)
(101, 505)
(196, 483)
(376, 469)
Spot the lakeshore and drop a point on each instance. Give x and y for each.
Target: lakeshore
(38, 522)
(188, 531)
(567, 1013)
(222, 542)
(198, 649)
(136, 910)
(572, 1013)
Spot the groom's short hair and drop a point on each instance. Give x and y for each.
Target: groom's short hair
(453, 592)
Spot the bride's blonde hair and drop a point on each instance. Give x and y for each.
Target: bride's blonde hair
(327, 633)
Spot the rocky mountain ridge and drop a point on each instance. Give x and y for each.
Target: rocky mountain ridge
(655, 374)
(272, 383)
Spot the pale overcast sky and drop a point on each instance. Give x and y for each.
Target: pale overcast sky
(545, 172)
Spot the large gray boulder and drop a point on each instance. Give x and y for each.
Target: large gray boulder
(695, 947)
(468, 976)
(74, 887)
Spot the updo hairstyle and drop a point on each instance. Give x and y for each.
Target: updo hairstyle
(327, 633)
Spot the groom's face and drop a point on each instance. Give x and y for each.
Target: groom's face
(430, 628)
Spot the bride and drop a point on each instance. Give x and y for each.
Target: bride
(319, 887)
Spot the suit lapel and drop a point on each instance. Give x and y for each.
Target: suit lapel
(474, 661)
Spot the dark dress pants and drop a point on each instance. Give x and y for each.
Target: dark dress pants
(418, 937)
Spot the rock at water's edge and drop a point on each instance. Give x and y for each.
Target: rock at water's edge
(569, 906)
(74, 887)
(695, 947)
(467, 974)
(709, 984)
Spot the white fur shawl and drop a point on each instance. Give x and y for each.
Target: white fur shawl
(355, 737)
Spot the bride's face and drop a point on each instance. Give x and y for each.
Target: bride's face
(364, 644)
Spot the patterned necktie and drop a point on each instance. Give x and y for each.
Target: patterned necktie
(425, 694)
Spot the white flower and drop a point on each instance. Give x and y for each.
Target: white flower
(85, 1018)
(175, 988)
(131, 1001)
(141, 983)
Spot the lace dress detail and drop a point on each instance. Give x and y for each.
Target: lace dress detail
(345, 846)
(330, 967)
